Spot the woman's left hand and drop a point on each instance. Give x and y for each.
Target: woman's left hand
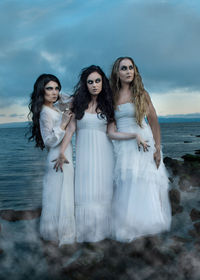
(157, 157)
(59, 162)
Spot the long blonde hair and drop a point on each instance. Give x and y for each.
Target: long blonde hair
(137, 89)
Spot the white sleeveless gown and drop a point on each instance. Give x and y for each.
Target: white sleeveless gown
(140, 204)
(93, 179)
(57, 221)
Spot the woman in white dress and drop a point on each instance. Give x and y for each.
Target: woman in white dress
(93, 112)
(140, 204)
(48, 128)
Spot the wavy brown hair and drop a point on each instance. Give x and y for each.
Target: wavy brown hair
(139, 97)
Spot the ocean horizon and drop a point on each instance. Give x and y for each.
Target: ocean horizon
(161, 119)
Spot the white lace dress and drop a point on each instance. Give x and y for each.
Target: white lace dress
(93, 179)
(57, 219)
(140, 204)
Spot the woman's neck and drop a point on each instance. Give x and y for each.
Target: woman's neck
(92, 105)
(48, 104)
(125, 86)
(125, 93)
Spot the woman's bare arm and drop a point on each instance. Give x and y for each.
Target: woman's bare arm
(153, 122)
(116, 135)
(64, 144)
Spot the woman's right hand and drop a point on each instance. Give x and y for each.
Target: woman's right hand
(142, 143)
(59, 162)
(66, 117)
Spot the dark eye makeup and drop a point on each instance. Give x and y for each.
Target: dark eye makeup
(124, 68)
(90, 82)
(51, 88)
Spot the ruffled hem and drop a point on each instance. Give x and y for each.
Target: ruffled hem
(93, 222)
(49, 228)
(129, 236)
(141, 203)
(61, 231)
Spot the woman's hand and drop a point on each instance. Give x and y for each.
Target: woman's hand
(140, 142)
(157, 157)
(59, 162)
(66, 117)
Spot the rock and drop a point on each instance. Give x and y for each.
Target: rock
(1, 251)
(170, 162)
(188, 265)
(188, 169)
(171, 179)
(194, 214)
(197, 135)
(197, 245)
(197, 152)
(181, 239)
(175, 196)
(176, 248)
(193, 233)
(176, 209)
(189, 157)
(185, 184)
(173, 164)
(187, 141)
(156, 257)
(12, 215)
(197, 227)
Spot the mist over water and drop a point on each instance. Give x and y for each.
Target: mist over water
(22, 165)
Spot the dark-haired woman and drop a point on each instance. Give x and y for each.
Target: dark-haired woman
(93, 112)
(140, 205)
(48, 129)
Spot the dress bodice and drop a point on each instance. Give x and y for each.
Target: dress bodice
(92, 121)
(125, 117)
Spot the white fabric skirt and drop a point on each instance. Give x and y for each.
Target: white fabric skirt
(57, 220)
(140, 203)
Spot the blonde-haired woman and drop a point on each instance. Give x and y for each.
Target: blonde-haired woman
(140, 204)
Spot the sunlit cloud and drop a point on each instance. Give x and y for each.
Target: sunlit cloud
(179, 101)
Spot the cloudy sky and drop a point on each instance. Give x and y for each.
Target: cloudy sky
(61, 37)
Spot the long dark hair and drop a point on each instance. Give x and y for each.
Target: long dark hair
(82, 97)
(35, 107)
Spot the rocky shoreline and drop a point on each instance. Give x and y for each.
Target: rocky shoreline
(171, 255)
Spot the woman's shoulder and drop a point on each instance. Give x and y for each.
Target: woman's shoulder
(48, 112)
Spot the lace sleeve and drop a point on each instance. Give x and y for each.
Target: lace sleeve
(51, 135)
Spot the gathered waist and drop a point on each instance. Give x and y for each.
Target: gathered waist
(91, 127)
(124, 122)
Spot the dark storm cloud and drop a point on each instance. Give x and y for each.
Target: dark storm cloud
(163, 39)
(65, 36)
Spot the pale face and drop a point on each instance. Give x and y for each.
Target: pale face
(94, 83)
(126, 71)
(51, 91)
